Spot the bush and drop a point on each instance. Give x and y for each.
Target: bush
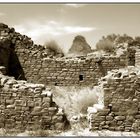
(111, 37)
(123, 39)
(53, 49)
(105, 45)
(74, 101)
(137, 38)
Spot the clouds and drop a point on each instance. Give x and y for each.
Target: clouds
(2, 14)
(77, 29)
(66, 7)
(75, 5)
(52, 29)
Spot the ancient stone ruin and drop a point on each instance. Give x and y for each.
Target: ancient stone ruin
(121, 102)
(24, 105)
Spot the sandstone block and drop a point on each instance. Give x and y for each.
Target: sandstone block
(94, 128)
(109, 118)
(120, 128)
(2, 125)
(46, 104)
(30, 104)
(9, 101)
(120, 118)
(10, 106)
(102, 123)
(137, 116)
(108, 122)
(57, 118)
(128, 129)
(18, 108)
(46, 99)
(46, 119)
(105, 127)
(111, 128)
(38, 90)
(99, 118)
(37, 109)
(103, 112)
(119, 122)
(45, 110)
(19, 102)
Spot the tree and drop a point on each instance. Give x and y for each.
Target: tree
(105, 45)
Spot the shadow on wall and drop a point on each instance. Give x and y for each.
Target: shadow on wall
(10, 61)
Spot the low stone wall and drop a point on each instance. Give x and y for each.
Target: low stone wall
(121, 103)
(26, 106)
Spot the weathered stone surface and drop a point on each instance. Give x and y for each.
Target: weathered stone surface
(31, 101)
(100, 118)
(109, 118)
(120, 118)
(103, 112)
(120, 128)
(39, 69)
(25, 108)
(122, 99)
(57, 118)
(137, 116)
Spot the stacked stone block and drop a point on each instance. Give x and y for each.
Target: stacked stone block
(26, 106)
(121, 105)
(137, 57)
(63, 71)
(131, 55)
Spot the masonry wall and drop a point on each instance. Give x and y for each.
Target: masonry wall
(137, 57)
(122, 105)
(26, 106)
(81, 71)
(69, 72)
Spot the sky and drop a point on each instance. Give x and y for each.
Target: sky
(62, 22)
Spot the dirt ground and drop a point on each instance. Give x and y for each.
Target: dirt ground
(71, 133)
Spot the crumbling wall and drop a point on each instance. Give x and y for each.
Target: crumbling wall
(121, 110)
(28, 106)
(131, 55)
(137, 57)
(66, 72)
(39, 68)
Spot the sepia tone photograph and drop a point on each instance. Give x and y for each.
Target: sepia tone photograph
(69, 70)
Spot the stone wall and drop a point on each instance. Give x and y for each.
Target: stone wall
(66, 72)
(131, 50)
(137, 57)
(26, 106)
(121, 110)
(39, 68)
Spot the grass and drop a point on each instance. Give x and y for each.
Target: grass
(75, 101)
